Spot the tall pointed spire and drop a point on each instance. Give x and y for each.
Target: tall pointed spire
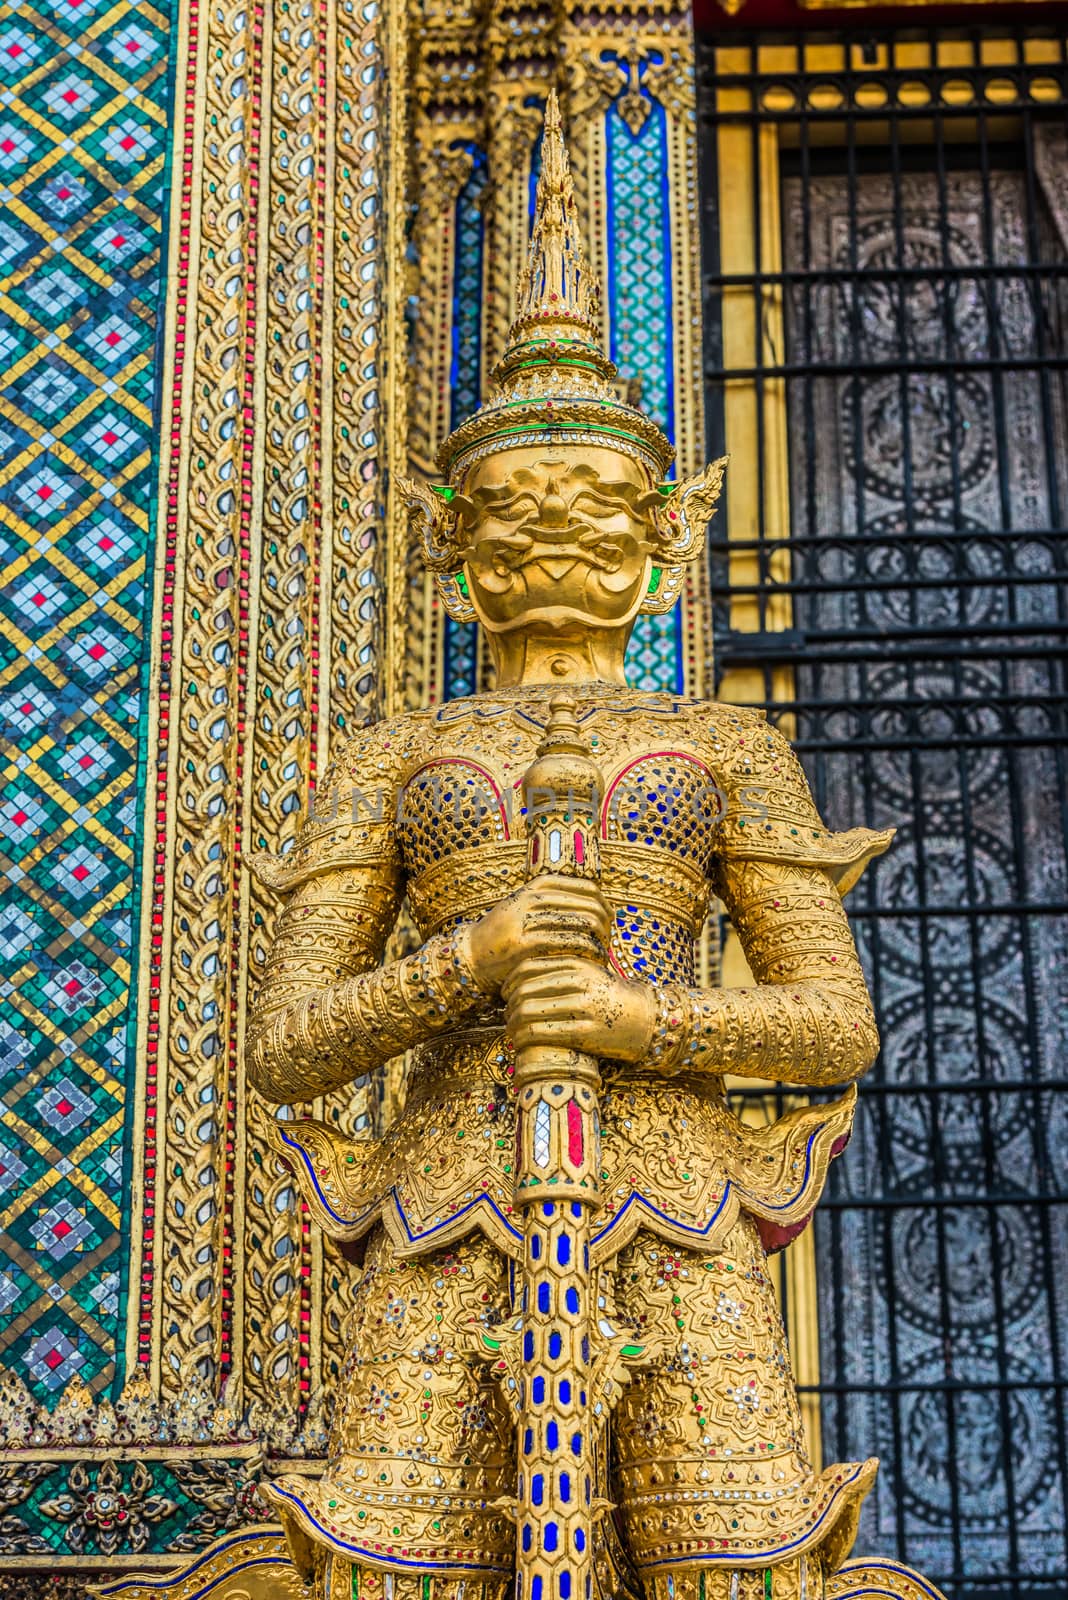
(556, 281)
(554, 382)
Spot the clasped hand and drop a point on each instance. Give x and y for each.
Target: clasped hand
(544, 950)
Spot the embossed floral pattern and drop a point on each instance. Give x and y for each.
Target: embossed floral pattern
(110, 1509)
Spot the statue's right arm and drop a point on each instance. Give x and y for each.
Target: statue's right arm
(327, 1011)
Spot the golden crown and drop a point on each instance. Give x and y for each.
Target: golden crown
(553, 385)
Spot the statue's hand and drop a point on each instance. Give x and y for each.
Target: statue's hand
(551, 916)
(579, 1005)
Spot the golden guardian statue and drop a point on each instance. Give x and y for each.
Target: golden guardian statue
(567, 1372)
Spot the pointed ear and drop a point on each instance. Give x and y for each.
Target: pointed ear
(664, 589)
(432, 520)
(686, 510)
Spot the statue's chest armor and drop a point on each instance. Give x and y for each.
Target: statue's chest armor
(461, 825)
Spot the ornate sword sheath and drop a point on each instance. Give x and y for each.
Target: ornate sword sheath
(556, 1188)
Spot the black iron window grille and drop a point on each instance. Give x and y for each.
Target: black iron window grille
(885, 247)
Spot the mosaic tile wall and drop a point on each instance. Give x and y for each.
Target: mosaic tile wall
(84, 111)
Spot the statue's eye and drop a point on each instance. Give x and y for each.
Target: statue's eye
(607, 552)
(515, 510)
(504, 550)
(597, 509)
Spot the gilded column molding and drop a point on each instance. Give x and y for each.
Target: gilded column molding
(284, 596)
(395, 409)
(299, 450)
(444, 172)
(363, 223)
(216, 498)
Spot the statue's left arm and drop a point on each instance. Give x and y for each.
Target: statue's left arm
(328, 1008)
(808, 1018)
(781, 874)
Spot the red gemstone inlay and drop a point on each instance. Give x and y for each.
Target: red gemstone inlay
(574, 1133)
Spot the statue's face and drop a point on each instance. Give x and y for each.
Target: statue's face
(556, 538)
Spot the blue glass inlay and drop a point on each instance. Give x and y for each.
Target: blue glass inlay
(552, 1436)
(563, 1249)
(537, 1488)
(461, 638)
(551, 1537)
(565, 1487)
(544, 1298)
(640, 293)
(571, 1299)
(537, 1391)
(556, 1344)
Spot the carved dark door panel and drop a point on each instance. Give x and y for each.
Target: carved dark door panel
(921, 341)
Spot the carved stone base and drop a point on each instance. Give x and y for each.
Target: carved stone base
(252, 1564)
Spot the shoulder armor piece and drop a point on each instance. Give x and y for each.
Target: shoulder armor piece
(770, 814)
(353, 816)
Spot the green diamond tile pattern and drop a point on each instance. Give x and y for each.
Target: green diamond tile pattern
(84, 107)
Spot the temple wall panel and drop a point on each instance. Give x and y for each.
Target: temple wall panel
(250, 252)
(202, 299)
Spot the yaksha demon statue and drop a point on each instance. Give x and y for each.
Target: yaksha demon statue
(568, 1374)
